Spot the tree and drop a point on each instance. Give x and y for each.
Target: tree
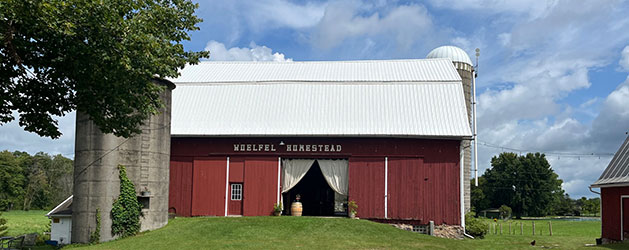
(97, 57)
(40, 181)
(11, 180)
(479, 200)
(505, 212)
(527, 183)
(36, 190)
(564, 205)
(592, 206)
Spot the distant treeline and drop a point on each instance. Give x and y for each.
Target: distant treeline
(529, 186)
(39, 181)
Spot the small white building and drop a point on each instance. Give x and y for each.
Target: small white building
(61, 222)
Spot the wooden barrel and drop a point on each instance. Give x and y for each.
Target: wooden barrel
(296, 209)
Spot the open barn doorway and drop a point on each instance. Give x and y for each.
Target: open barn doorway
(316, 195)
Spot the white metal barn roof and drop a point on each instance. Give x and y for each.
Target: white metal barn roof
(401, 98)
(426, 70)
(617, 172)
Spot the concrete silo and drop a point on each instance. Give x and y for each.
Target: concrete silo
(465, 68)
(146, 157)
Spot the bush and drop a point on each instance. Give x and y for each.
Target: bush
(474, 226)
(3, 227)
(505, 212)
(353, 207)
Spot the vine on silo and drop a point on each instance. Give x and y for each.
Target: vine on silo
(95, 236)
(126, 211)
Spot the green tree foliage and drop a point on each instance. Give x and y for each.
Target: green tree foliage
(564, 205)
(98, 57)
(3, 227)
(126, 211)
(40, 181)
(11, 182)
(590, 207)
(479, 200)
(505, 212)
(526, 183)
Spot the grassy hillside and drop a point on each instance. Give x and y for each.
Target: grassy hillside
(23, 222)
(336, 233)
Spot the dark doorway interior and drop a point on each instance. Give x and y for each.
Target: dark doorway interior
(317, 197)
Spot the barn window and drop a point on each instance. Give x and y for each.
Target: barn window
(55, 220)
(236, 191)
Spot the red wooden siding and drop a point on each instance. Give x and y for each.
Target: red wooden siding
(423, 176)
(260, 186)
(208, 186)
(610, 206)
(366, 186)
(407, 184)
(236, 169)
(424, 192)
(236, 175)
(179, 197)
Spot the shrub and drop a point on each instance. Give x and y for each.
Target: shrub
(505, 212)
(474, 226)
(126, 211)
(353, 207)
(3, 227)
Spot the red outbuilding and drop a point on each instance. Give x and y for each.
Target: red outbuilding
(385, 134)
(614, 184)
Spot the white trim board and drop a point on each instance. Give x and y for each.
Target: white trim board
(622, 237)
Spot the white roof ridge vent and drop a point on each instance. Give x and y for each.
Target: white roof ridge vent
(409, 70)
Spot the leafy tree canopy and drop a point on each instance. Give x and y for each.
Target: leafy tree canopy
(98, 57)
(40, 181)
(527, 184)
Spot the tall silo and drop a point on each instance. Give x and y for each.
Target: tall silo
(146, 157)
(464, 67)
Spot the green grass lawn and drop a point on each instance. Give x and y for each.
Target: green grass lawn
(23, 222)
(566, 235)
(321, 233)
(340, 233)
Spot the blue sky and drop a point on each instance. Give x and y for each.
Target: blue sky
(552, 74)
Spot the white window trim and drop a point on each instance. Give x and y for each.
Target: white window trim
(622, 235)
(238, 194)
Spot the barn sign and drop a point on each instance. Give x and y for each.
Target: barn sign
(242, 147)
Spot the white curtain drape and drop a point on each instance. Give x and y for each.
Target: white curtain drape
(294, 171)
(336, 174)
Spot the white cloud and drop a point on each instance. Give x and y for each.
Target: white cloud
(218, 52)
(281, 13)
(346, 19)
(14, 138)
(532, 9)
(604, 135)
(533, 69)
(608, 129)
(462, 43)
(624, 59)
(505, 39)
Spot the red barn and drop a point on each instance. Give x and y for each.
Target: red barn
(614, 184)
(385, 134)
